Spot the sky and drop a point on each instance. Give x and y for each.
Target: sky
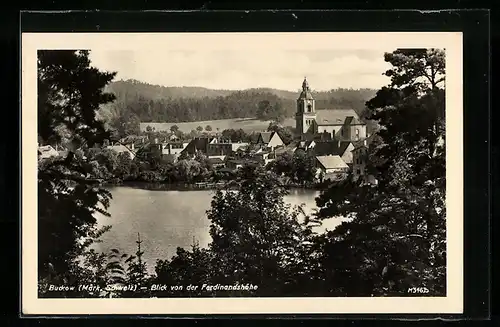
(230, 68)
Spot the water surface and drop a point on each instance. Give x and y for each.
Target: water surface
(170, 219)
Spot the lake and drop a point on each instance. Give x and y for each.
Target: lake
(170, 219)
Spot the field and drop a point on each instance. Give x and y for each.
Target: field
(246, 124)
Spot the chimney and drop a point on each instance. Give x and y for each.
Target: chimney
(132, 146)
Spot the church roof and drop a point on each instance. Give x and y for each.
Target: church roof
(337, 117)
(306, 91)
(306, 94)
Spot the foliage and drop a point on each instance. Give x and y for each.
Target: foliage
(256, 237)
(299, 167)
(138, 101)
(285, 133)
(70, 93)
(397, 236)
(268, 111)
(394, 236)
(236, 135)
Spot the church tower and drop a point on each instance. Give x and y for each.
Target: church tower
(305, 118)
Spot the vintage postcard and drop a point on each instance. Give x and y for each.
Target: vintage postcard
(242, 173)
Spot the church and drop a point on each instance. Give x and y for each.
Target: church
(333, 124)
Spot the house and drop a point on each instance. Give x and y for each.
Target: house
(339, 124)
(306, 145)
(174, 148)
(360, 160)
(334, 147)
(264, 157)
(331, 167)
(121, 148)
(270, 139)
(219, 147)
(47, 151)
(198, 144)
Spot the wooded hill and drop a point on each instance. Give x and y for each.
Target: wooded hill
(141, 102)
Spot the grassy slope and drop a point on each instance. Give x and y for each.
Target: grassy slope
(247, 124)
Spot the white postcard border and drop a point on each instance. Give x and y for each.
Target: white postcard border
(452, 303)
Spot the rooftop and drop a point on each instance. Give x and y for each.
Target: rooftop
(332, 162)
(337, 117)
(266, 136)
(323, 148)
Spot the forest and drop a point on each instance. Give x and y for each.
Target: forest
(141, 102)
(395, 237)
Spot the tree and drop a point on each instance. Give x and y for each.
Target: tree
(174, 128)
(278, 113)
(285, 133)
(199, 129)
(235, 135)
(304, 167)
(208, 128)
(256, 237)
(195, 266)
(123, 166)
(70, 93)
(268, 111)
(396, 237)
(283, 165)
(263, 109)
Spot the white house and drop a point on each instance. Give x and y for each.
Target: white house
(174, 148)
(331, 167)
(270, 140)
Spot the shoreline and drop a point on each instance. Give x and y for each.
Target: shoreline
(202, 186)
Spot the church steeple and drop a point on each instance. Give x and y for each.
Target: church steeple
(306, 113)
(305, 85)
(306, 91)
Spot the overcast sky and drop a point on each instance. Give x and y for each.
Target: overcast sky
(285, 69)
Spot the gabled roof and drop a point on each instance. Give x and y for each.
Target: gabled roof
(324, 148)
(332, 162)
(266, 136)
(337, 117)
(197, 144)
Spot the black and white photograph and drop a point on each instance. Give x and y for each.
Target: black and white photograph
(263, 166)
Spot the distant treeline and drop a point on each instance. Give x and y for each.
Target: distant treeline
(137, 101)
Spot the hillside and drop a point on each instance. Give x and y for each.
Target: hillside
(131, 88)
(141, 102)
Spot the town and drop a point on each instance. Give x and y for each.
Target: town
(303, 193)
(335, 142)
